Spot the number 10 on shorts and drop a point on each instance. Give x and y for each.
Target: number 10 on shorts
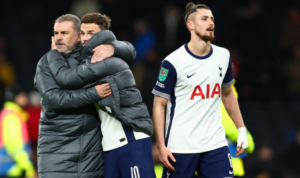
(135, 172)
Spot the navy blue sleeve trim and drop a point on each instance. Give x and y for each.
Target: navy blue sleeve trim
(166, 80)
(228, 79)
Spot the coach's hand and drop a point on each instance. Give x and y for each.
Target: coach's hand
(53, 46)
(163, 154)
(102, 52)
(242, 141)
(103, 90)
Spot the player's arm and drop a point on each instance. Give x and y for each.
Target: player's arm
(123, 50)
(75, 77)
(163, 91)
(57, 98)
(159, 122)
(85, 73)
(232, 107)
(230, 129)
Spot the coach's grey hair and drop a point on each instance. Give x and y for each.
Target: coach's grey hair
(71, 18)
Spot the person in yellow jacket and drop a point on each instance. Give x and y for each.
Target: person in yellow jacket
(232, 134)
(15, 148)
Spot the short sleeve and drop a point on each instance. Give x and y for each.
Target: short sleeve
(166, 80)
(228, 79)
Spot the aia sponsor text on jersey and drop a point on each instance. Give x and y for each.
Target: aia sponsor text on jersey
(198, 92)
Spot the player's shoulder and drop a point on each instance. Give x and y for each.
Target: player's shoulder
(176, 55)
(220, 50)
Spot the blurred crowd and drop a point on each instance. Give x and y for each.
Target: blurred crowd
(262, 36)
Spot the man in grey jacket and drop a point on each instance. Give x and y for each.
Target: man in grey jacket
(69, 142)
(126, 124)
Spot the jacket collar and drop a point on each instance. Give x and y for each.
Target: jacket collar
(75, 53)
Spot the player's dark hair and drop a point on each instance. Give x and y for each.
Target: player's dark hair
(103, 21)
(191, 8)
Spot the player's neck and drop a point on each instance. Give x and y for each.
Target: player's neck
(199, 47)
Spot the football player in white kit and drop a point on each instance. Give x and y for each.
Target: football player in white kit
(192, 81)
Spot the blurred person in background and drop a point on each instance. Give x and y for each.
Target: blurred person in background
(143, 42)
(264, 164)
(189, 85)
(290, 35)
(34, 111)
(172, 17)
(15, 148)
(290, 157)
(152, 68)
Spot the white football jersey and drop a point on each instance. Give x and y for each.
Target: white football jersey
(115, 134)
(193, 86)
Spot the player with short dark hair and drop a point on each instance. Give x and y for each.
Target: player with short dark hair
(102, 20)
(192, 81)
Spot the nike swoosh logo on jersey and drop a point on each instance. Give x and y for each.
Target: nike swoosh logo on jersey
(191, 75)
(230, 172)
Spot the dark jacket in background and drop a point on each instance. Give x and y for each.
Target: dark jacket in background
(125, 103)
(69, 143)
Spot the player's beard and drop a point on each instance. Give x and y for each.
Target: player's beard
(206, 38)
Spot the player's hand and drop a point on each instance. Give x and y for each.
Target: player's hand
(102, 52)
(242, 141)
(53, 46)
(163, 154)
(103, 90)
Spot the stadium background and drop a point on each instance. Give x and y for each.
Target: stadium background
(262, 36)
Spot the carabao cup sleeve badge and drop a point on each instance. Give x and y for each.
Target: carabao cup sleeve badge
(163, 74)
